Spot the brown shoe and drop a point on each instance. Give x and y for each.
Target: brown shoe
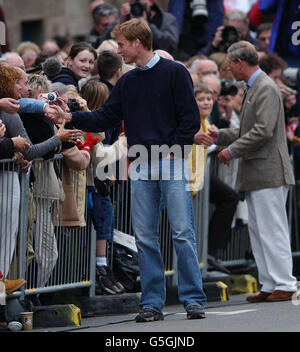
(278, 296)
(3, 325)
(260, 297)
(13, 285)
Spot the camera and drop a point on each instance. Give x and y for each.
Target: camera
(227, 88)
(51, 97)
(73, 105)
(230, 35)
(199, 8)
(292, 74)
(102, 187)
(137, 9)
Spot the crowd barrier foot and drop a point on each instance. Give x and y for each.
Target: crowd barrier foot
(216, 291)
(124, 303)
(56, 316)
(239, 284)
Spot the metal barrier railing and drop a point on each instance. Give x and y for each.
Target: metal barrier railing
(52, 257)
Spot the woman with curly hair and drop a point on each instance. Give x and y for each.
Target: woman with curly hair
(9, 76)
(9, 181)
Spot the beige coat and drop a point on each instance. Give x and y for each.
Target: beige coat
(260, 141)
(196, 162)
(75, 163)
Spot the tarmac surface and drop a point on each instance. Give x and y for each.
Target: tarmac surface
(234, 315)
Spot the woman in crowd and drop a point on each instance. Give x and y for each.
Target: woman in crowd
(10, 188)
(80, 64)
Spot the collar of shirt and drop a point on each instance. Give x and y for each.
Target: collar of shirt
(253, 77)
(152, 62)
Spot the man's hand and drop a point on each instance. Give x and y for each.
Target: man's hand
(9, 105)
(57, 115)
(218, 37)
(19, 159)
(213, 132)
(224, 156)
(203, 138)
(21, 143)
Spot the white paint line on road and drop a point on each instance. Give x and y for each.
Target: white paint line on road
(234, 312)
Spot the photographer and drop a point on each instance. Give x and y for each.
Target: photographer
(163, 24)
(105, 17)
(229, 118)
(235, 28)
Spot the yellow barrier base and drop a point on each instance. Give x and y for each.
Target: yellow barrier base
(56, 315)
(216, 291)
(241, 284)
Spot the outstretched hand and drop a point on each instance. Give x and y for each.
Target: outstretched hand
(68, 135)
(213, 132)
(203, 138)
(56, 114)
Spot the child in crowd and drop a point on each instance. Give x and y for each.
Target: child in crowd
(197, 157)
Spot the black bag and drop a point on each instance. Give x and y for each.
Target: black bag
(102, 187)
(125, 266)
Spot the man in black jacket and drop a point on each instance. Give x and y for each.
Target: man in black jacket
(163, 24)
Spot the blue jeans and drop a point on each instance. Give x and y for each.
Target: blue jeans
(102, 213)
(146, 196)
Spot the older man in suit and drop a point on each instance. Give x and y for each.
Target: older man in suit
(264, 174)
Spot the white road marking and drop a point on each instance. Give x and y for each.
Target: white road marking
(234, 312)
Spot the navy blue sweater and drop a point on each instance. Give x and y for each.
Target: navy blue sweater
(157, 105)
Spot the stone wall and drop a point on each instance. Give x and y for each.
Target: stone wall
(47, 18)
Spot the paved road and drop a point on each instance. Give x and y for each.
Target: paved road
(235, 315)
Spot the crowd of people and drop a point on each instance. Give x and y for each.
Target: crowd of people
(147, 76)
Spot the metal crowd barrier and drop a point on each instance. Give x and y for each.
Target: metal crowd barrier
(52, 257)
(49, 256)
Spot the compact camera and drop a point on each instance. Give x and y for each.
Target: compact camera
(137, 9)
(51, 97)
(227, 88)
(73, 105)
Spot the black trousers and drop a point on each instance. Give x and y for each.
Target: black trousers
(225, 200)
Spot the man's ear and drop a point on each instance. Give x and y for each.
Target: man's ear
(136, 43)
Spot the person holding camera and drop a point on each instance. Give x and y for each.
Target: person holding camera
(235, 28)
(163, 24)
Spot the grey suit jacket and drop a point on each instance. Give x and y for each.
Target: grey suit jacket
(260, 141)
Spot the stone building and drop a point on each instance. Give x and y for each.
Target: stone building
(39, 20)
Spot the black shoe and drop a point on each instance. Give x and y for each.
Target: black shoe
(117, 285)
(217, 264)
(104, 281)
(195, 312)
(147, 314)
